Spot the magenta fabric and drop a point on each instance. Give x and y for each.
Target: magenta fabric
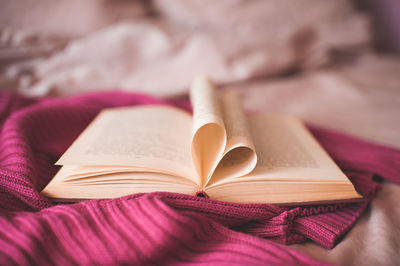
(155, 228)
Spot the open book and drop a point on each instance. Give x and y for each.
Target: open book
(219, 151)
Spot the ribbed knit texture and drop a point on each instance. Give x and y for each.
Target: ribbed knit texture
(155, 228)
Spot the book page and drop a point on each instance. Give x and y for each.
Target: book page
(286, 150)
(209, 136)
(112, 185)
(291, 167)
(239, 157)
(154, 138)
(284, 192)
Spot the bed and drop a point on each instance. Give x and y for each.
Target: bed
(60, 63)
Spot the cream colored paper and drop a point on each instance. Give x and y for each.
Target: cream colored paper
(209, 135)
(239, 156)
(149, 137)
(287, 152)
(115, 185)
(291, 167)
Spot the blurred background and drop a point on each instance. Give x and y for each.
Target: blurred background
(333, 63)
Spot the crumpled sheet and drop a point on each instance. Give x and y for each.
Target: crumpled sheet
(229, 41)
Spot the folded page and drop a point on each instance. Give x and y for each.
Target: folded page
(209, 135)
(239, 157)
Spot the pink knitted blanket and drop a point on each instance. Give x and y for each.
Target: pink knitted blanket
(156, 228)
